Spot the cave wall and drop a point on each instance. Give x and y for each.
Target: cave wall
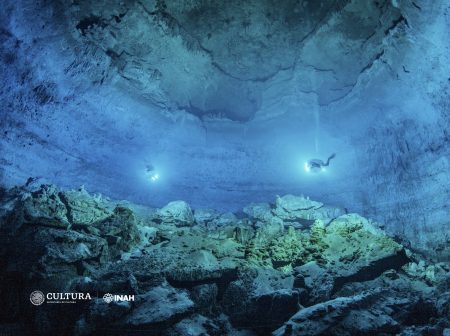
(404, 151)
(228, 100)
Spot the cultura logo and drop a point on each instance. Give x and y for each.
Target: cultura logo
(37, 298)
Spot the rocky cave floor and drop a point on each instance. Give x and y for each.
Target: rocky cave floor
(296, 267)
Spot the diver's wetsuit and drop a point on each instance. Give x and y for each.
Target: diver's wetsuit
(315, 164)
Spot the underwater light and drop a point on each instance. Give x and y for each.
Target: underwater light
(151, 173)
(312, 166)
(307, 167)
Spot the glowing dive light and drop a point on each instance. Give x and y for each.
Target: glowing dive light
(313, 166)
(151, 173)
(307, 167)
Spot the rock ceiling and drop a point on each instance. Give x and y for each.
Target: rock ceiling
(233, 59)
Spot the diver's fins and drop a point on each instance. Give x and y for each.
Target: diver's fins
(332, 156)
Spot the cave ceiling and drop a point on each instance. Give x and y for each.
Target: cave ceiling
(232, 59)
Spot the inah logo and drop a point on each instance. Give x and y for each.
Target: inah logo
(108, 298)
(37, 298)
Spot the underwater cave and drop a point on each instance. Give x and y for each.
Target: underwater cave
(211, 168)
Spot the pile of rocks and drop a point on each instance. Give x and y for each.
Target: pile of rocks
(295, 267)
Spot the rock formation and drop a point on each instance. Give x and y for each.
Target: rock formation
(295, 267)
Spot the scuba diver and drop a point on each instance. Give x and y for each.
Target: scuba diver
(317, 165)
(151, 173)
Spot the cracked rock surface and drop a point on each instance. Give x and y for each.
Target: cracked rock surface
(251, 275)
(236, 49)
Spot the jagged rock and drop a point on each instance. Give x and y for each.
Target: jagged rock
(205, 296)
(45, 207)
(287, 249)
(196, 325)
(271, 228)
(190, 257)
(120, 230)
(257, 252)
(55, 253)
(293, 208)
(199, 325)
(315, 245)
(102, 313)
(200, 266)
(320, 318)
(280, 248)
(437, 274)
(178, 213)
(147, 234)
(10, 218)
(84, 209)
(302, 212)
(316, 279)
(261, 299)
(131, 277)
(259, 211)
(424, 331)
(349, 249)
(356, 250)
(226, 219)
(161, 305)
(196, 266)
(264, 220)
(243, 234)
(205, 216)
(259, 270)
(367, 322)
(328, 213)
(407, 301)
(67, 247)
(443, 306)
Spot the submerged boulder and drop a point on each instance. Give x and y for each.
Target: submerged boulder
(45, 207)
(200, 325)
(357, 250)
(196, 325)
(48, 259)
(69, 247)
(151, 313)
(349, 249)
(205, 216)
(119, 229)
(287, 249)
(159, 306)
(291, 208)
(178, 213)
(84, 209)
(317, 279)
(48, 206)
(196, 266)
(320, 318)
(259, 211)
(302, 212)
(261, 299)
